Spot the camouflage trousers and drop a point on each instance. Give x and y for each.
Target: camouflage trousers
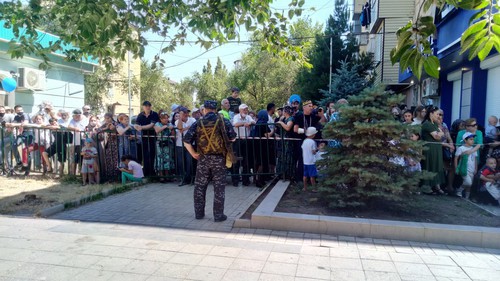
(210, 167)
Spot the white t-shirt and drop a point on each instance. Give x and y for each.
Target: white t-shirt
(308, 148)
(63, 123)
(243, 131)
(187, 124)
(471, 161)
(136, 169)
(81, 126)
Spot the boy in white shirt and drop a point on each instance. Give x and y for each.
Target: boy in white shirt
(309, 150)
(468, 170)
(133, 172)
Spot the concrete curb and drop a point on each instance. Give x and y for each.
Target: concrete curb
(265, 217)
(47, 212)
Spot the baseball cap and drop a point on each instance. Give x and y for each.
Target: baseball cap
(242, 106)
(146, 103)
(184, 109)
(468, 135)
(174, 107)
(210, 104)
(77, 111)
(86, 107)
(311, 131)
(196, 109)
(89, 140)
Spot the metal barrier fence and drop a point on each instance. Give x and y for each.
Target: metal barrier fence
(25, 150)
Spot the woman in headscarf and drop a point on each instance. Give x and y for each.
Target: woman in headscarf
(261, 132)
(287, 125)
(109, 155)
(433, 156)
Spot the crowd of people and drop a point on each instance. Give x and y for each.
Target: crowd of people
(286, 141)
(463, 157)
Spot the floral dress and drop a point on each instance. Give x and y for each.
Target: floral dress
(108, 152)
(164, 150)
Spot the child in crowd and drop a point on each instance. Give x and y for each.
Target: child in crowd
(490, 178)
(411, 164)
(309, 150)
(465, 164)
(89, 154)
(133, 172)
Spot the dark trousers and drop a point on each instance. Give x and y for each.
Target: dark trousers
(241, 149)
(298, 162)
(210, 167)
(148, 149)
(184, 163)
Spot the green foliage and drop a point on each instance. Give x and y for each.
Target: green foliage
(109, 29)
(311, 80)
(263, 78)
(413, 49)
(212, 85)
(360, 171)
(350, 79)
(161, 91)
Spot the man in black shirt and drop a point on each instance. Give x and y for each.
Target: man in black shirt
(303, 120)
(145, 122)
(234, 101)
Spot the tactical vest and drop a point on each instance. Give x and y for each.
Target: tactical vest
(209, 139)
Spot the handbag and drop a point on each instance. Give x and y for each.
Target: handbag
(447, 155)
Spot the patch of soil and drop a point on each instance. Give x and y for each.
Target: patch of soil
(417, 208)
(28, 196)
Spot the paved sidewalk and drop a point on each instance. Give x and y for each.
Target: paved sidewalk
(47, 249)
(166, 205)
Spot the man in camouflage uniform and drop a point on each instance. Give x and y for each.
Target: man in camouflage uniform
(211, 150)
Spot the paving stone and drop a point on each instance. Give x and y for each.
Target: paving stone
(312, 271)
(447, 271)
(280, 268)
(347, 275)
(206, 273)
(375, 265)
(284, 257)
(239, 275)
(247, 265)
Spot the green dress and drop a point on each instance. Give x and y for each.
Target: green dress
(433, 156)
(164, 150)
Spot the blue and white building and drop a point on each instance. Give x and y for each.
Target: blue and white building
(62, 84)
(466, 88)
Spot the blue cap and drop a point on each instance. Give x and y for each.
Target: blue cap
(210, 104)
(89, 140)
(294, 98)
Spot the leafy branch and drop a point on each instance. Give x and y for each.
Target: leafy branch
(413, 49)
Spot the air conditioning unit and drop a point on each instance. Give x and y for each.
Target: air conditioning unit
(430, 87)
(30, 78)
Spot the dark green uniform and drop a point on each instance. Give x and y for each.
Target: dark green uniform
(206, 133)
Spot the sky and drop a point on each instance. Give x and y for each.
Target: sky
(183, 62)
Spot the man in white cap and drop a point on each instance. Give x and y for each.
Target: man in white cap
(242, 123)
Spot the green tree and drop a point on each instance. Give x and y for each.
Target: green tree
(155, 87)
(109, 29)
(311, 80)
(414, 49)
(263, 78)
(212, 85)
(350, 79)
(363, 170)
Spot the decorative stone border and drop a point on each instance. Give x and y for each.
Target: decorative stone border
(265, 217)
